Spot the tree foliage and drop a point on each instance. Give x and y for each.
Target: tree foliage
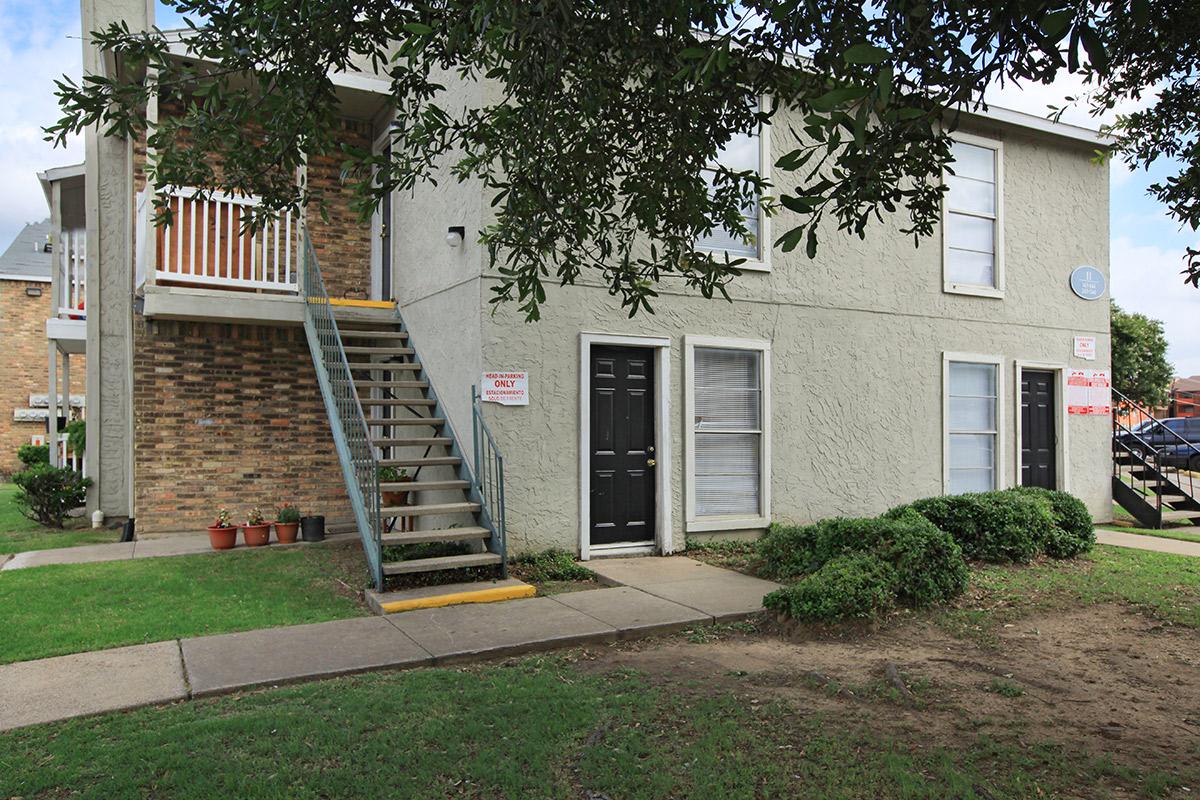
(594, 126)
(1140, 369)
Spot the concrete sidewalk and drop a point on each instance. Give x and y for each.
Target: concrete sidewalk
(1140, 541)
(656, 595)
(188, 544)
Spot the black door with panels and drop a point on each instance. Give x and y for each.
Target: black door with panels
(1038, 435)
(622, 445)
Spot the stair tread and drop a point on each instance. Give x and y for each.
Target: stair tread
(439, 563)
(1171, 515)
(429, 461)
(463, 507)
(411, 441)
(370, 333)
(436, 535)
(362, 349)
(422, 486)
(398, 401)
(391, 366)
(393, 384)
(433, 422)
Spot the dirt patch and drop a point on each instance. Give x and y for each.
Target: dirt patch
(1103, 679)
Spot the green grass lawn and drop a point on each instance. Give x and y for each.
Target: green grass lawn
(1165, 533)
(533, 728)
(19, 533)
(69, 608)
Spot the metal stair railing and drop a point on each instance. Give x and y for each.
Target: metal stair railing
(489, 479)
(351, 437)
(1160, 454)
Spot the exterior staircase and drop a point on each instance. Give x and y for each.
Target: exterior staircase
(385, 413)
(1151, 476)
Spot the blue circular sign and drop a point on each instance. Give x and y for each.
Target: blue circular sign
(1088, 282)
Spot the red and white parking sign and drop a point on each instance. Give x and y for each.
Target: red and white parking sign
(506, 388)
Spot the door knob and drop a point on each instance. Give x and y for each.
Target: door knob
(650, 462)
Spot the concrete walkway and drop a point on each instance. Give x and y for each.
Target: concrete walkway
(649, 596)
(1138, 541)
(188, 544)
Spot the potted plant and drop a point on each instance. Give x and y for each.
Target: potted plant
(222, 534)
(393, 475)
(257, 531)
(287, 524)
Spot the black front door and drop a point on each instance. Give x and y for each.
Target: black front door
(1038, 437)
(622, 445)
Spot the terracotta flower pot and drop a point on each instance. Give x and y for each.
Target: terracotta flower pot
(392, 499)
(222, 538)
(286, 532)
(256, 535)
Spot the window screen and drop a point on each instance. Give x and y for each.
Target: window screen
(971, 427)
(971, 205)
(727, 432)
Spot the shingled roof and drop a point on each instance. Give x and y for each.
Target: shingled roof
(27, 256)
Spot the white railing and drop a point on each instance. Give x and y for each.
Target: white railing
(69, 458)
(70, 254)
(206, 245)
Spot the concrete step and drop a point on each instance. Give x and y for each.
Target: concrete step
(397, 401)
(373, 333)
(1179, 516)
(440, 563)
(428, 461)
(377, 351)
(414, 441)
(428, 509)
(432, 422)
(393, 384)
(436, 535)
(422, 486)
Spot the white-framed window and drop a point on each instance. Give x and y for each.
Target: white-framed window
(972, 218)
(727, 407)
(972, 422)
(746, 151)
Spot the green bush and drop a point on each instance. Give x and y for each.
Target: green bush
(928, 563)
(552, 565)
(1073, 530)
(46, 494)
(990, 526)
(77, 436)
(853, 585)
(33, 454)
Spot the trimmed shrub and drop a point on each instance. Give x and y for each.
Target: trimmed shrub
(991, 526)
(928, 563)
(33, 454)
(48, 493)
(854, 585)
(1073, 530)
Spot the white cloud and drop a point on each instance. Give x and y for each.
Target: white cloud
(1146, 279)
(34, 51)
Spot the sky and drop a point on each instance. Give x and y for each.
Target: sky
(40, 41)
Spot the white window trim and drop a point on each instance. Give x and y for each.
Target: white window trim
(765, 243)
(1001, 412)
(662, 435)
(1062, 463)
(724, 523)
(949, 286)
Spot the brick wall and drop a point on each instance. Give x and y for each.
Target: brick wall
(340, 239)
(228, 415)
(23, 367)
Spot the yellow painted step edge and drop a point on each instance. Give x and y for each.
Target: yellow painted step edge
(458, 598)
(342, 301)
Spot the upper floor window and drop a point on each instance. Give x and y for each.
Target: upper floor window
(744, 152)
(972, 219)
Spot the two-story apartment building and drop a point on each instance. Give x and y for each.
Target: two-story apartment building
(293, 363)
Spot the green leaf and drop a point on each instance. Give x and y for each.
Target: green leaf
(865, 53)
(1141, 11)
(837, 97)
(801, 205)
(883, 81)
(418, 28)
(1095, 48)
(789, 240)
(1054, 25)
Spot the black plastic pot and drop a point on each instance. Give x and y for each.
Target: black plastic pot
(312, 529)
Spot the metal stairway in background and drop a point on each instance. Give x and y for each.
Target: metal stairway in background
(384, 413)
(1153, 467)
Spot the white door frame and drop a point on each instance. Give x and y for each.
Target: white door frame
(662, 440)
(1063, 474)
(377, 225)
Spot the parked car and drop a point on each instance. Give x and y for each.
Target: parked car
(1176, 439)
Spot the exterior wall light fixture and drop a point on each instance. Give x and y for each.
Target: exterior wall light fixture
(33, 291)
(455, 235)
